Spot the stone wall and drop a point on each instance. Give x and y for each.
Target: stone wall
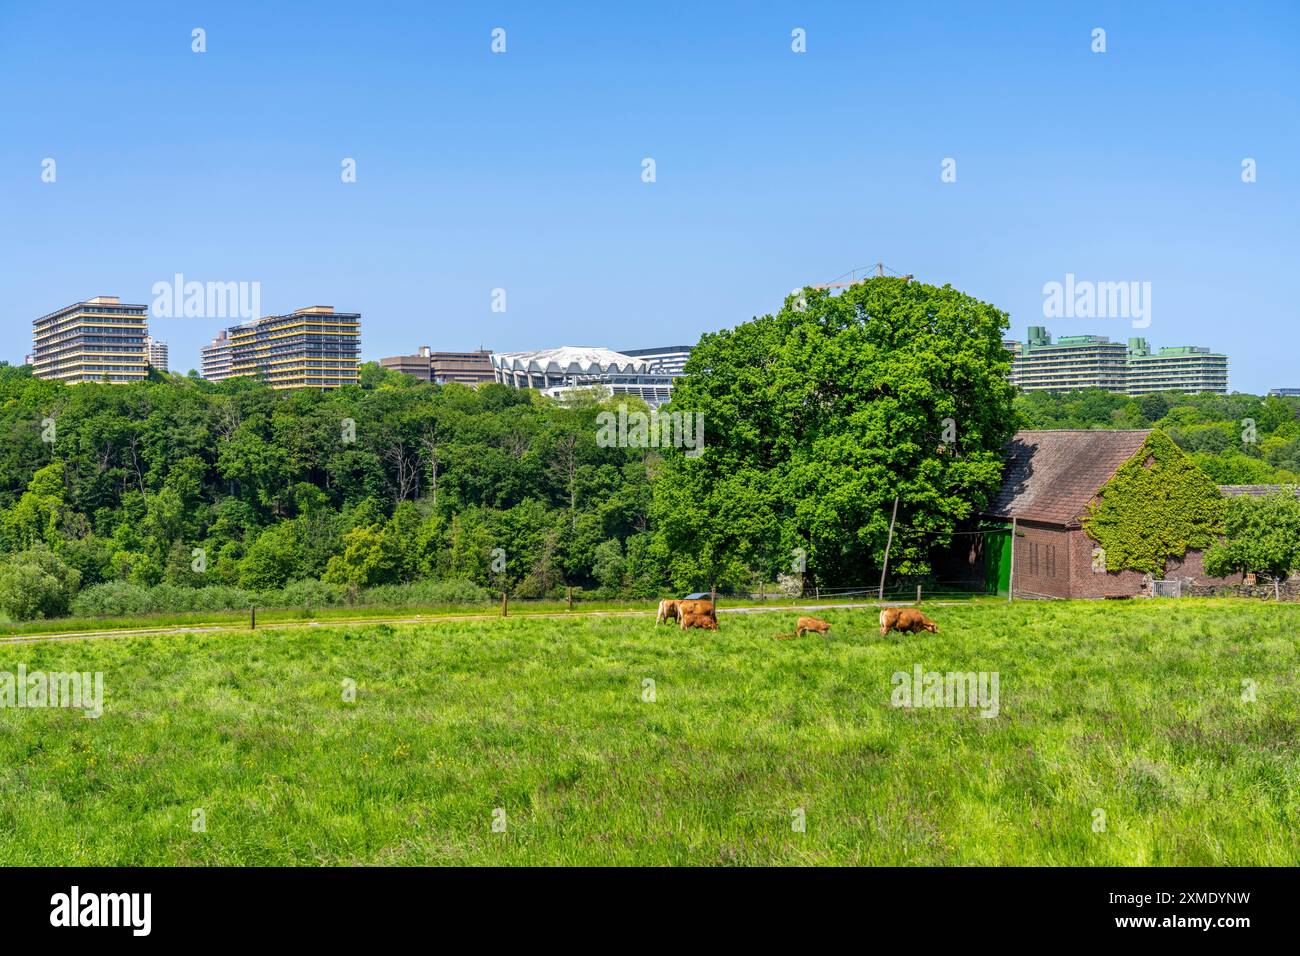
(1288, 590)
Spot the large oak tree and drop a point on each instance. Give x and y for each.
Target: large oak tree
(817, 417)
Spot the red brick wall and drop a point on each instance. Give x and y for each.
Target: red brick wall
(1042, 560)
(1087, 583)
(1191, 569)
(1052, 561)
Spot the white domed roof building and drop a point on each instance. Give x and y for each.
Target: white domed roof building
(555, 371)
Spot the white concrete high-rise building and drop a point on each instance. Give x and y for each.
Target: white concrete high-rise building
(157, 353)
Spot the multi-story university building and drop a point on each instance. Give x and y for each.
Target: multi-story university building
(468, 368)
(1074, 362)
(314, 347)
(1285, 392)
(1181, 368)
(214, 360)
(1093, 361)
(157, 353)
(99, 340)
(665, 360)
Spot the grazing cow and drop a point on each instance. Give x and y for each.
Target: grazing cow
(698, 606)
(692, 619)
(667, 612)
(907, 619)
(807, 624)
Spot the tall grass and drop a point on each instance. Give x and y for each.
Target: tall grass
(1143, 712)
(121, 598)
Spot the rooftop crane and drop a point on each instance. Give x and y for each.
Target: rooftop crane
(854, 280)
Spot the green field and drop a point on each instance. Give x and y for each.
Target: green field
(266, 617)
(1132, 708)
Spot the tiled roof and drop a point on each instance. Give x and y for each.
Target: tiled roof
(1257, 491)
(1052, 475)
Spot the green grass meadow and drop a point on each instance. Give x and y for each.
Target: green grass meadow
(1135, 709)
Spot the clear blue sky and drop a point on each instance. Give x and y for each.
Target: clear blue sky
(774, 169)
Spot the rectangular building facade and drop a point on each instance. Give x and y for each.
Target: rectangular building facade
(468, 368)
(99, 340)
(665, 360)
(314, 347)
(214, 361)
(1093, 361)
(1074, 362)
(417, 366)
(157, 353)
(1183, 368)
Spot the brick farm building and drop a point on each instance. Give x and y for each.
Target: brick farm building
(1050, 480)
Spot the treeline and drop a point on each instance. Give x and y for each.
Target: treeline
(182, 483)
(822, 421)
(1235, 439)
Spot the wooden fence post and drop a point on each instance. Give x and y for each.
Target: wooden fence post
(1011, 578)
(504, 605)
(569, 597)
(888, 544)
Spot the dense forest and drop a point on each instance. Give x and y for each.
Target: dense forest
(181, 482)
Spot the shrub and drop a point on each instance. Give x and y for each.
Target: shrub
(122, 598)
(307, 594)
(36, 584)
(426, 592)
(218, 597)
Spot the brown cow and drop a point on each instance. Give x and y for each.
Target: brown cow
(697, 606)
(667, 611)
(907, 619)
(807, 624)
(691, 619)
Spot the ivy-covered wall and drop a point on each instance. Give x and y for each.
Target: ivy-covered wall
(1158, 505)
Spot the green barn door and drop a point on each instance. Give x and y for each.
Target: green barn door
(997, 561)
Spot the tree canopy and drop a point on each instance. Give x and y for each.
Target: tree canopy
(1261, 534)
(191, 483)
(816, 417)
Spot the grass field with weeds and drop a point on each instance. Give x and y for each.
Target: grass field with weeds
(280, 615)
(1139, 710)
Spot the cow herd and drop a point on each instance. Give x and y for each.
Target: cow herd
(689, 613)
(701, 613)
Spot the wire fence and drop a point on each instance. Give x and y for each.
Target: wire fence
(893, 591)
